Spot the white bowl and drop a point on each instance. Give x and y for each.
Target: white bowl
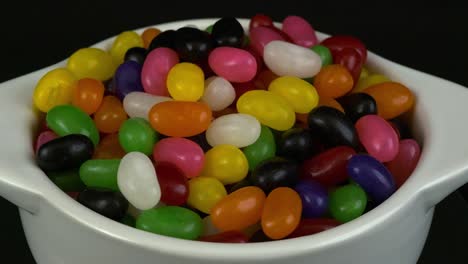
(60, 230)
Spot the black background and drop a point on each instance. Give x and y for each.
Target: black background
(428, 37)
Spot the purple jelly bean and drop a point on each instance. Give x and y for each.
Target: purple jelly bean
(314, 198)
(127, 79)
(372, 176)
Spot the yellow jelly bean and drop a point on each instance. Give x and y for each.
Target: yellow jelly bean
(364, 73)
(369, 81)
(300, 94)
(124, 41)
(226, 163)
(269, 108)
(186, 82)
(54, 88)
(91, 63)
(204, 193)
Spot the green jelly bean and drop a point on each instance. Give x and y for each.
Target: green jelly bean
(209, 29)
(68, 119)
(100, 173)
(347, 202)
(262, 149)
(67, 181)
(128, 220)
(324, 54)
(173, 221)
(136, 134)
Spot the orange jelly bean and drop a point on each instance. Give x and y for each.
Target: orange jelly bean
(333, 81)
(281, 213)
(392, 98)
(109, 148)
(180, 118)
(239, 209)
(88, 94)
(263, 79)
(148, 35)
(110, 115)
(327, 101)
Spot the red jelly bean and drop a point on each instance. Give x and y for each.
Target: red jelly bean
(173, 183)
(339, 42)
(261, 36)
(226, 237)
(44, 137)
(313, 226)
(260, 20)
(405, 162)
(242, 88)
(351, 59)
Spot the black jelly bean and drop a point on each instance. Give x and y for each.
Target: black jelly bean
(136, 54)
(228, 32)
(193, 45)
(273, 173)
(358, 105)
(165, 39)
(297, 144)
(244, 183)
(104, 202)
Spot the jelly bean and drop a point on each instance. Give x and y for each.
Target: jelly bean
(183, 153)
(300, 94)
(134, 212)
(402, 126)
(233, 64)
(347, 203)
(109, 148)
(333, 81)
(44, 137)
(255, 54)
(67, 181)
(136, 178)
(324, 53)
(372, 176)
(180, 119)
(358, 105)
(338, 43)
(330, 102)
(300, 31)
(364, 73)
(261, 36)
(281, 213)
(127, 79)
(405, 162)
(269, 108)
(239, 130)
(226, 163)
(208, 227)
(262, 149)
(209, 29)
(104, 202)
(244, 183)
(274, 173)
(314, 198)
(110, 116)
(128, 220)
(259, 236)
(296, 144)
(228, 32)
(123, 42)
(193, 45)
(264, 78)
(260, 20)
(88, 94)
(313, 226)
(174, 185)
(219, 93)
(68, 119)
(396, 129)
(136, 134)
(91, 63)
(155, 69)
(239, 209)
(333, 127)
(185, 82)
(99, 173)
(165, 39)
(378, 137)
(226, 237)
(241, 89)
(53, 89)
(136, 54)
(138, 104)
(148, 35)
(173, 221)
(329, 167)
(204, 193)
(393, 99)
(368, 81)
(285, 58)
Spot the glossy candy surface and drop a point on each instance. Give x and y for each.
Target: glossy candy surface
(110, 115)
(333, 81)
(218, 94)
(226, 163)
(109, 148)
(44, 137)
(233, 64)
(185, 82)
(193, 45)
(297, 144)
(239, 130)
(204, 193)
(91, 63)
(300, 31)
(347, 202)
(393, 99)
(260, 36)
(228, 32)
(358, 105)
(165, 39)
(136, 134)
(310, 226)
(262, 149)
(301, 95)
(260, 20)
(53, 89)
(273, 173)
(67, 181)
(105, 202)
(148, 35)
(173, 183)
(136, 54)
(314, 198)
(324, 53)
(100, 173)
(87, 95)
(155, 69)
(127, 79)
(124, 41)
(368, 81)
(405, 161)
(138, 104)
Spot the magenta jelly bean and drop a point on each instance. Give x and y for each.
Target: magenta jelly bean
(185, 154)
(300, 31)
(403, 165)
(233, 64)
(155, 70)
(378, 137)
(261, 36)
(44, 137)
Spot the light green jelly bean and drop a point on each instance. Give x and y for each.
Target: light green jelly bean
(136, 134)
(262, 149)
(100, 173)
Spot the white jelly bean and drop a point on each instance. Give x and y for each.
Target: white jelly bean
(138, 104)
(137, 181)
(218, 94)
(239, 130)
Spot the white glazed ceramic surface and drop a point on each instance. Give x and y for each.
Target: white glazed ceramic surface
(60, 230)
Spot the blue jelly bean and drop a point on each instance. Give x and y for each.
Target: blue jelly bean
(127, 79)
(314, 198)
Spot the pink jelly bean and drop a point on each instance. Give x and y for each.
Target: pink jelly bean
(405, 161)
(233, 64)
(187, 155)
(378, 137)
(261, 36)
(44, 137)
(155, 69)
(300, 31)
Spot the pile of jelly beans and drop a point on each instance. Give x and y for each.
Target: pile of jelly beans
(220, 135)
